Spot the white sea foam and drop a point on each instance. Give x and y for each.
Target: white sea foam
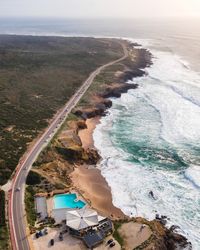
(179, 107)
(193, 174)
(164, 114)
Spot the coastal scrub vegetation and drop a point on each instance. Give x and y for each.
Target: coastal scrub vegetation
(3, 226)
(30, 206)
(33, 178)
(116, 235)
(38, 75)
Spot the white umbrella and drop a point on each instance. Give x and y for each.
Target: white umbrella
(82, 218)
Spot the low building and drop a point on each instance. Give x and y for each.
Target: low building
(88, 225)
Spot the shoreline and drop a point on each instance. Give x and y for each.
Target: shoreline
(86, 178)
(77, 158)
(86, 134)
(89, 180)
(94, 188)
(92, 184)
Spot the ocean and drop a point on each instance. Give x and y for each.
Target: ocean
(150, 139)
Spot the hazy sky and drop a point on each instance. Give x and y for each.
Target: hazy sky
(99, 8)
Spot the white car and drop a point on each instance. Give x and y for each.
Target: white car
(18, 189)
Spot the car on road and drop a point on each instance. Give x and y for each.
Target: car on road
(18, 189)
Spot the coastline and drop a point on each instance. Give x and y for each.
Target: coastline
(94, 188)
(74, 147)
(86, 134)
(89, 180)
(92, 184)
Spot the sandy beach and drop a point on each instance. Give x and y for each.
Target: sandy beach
(86, 135)
(95, 189)
(89, 181)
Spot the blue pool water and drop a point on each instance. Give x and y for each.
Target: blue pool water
(67, 201)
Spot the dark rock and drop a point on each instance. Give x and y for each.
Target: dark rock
(173, 227)
(101, 107)
(130, 74)
(116, 92)
(93, 156)
(174, 241)
(78, 113)
(107, 103)
(81, 124)
(157, 217)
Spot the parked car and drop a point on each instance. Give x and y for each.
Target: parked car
(52, 242)
(40, 233)
(45, 231)
(60, 237)
(109, 241)
(37, 235)
(112, 244)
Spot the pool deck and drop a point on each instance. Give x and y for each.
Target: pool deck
(50, 201)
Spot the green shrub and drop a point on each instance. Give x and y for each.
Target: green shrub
(33, 178)
(3, 227)
(2, 208)
(116, 234)
(30, 206)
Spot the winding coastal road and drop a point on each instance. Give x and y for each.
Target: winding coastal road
(16, 210)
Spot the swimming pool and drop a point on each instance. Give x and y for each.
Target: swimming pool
(67, 201)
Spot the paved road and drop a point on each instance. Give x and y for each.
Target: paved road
(16, 210)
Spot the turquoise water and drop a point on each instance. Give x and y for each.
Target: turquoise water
(67, 201)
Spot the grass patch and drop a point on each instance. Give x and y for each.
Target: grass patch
(116, 235)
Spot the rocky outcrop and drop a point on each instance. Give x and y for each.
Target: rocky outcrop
(69, 146)
(100, 107)
(78, 155)
(130, 74)
(174, 241)
(164, 238)
(118, 90)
